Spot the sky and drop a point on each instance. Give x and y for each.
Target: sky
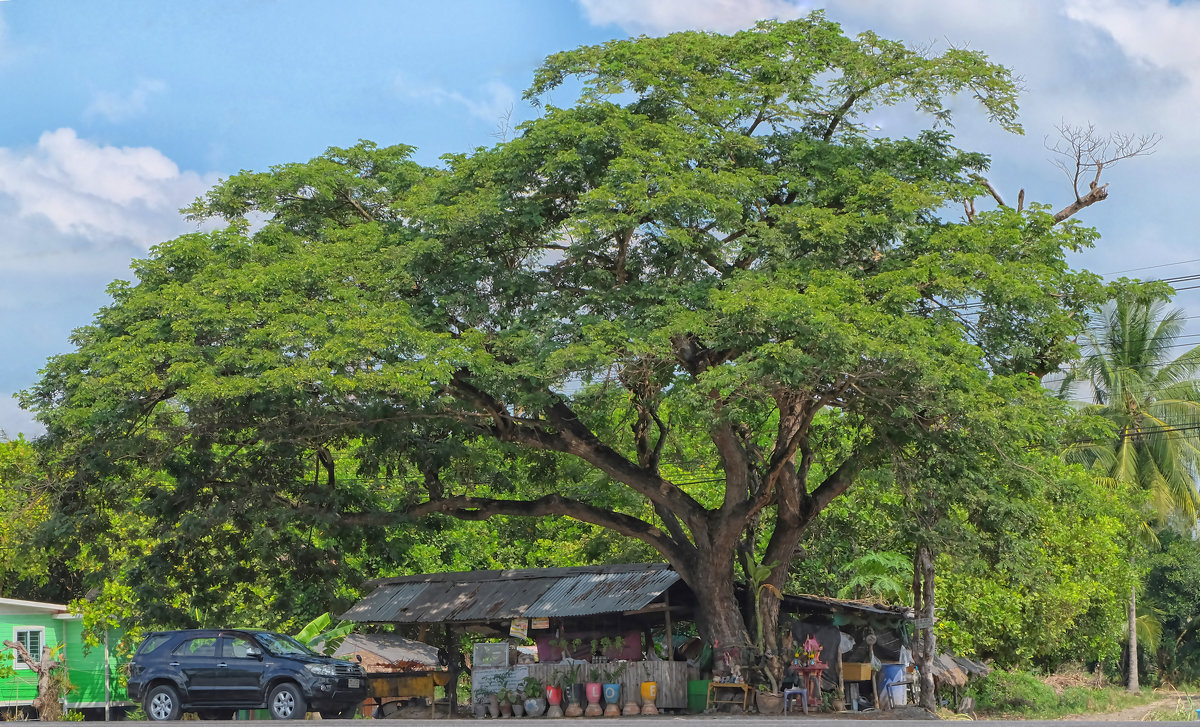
(116, 114)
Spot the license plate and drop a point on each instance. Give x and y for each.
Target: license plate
(352, 683)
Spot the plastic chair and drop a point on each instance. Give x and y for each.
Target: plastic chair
(791, 692)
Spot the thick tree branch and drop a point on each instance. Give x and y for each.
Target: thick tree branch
(482, 508)
(564, 432)
(835, 484)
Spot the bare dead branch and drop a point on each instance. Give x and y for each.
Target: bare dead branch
(992, 190)
(1082, 152)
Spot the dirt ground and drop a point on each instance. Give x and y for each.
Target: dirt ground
(1169, 702)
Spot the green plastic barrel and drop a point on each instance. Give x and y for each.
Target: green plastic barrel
(697, 695)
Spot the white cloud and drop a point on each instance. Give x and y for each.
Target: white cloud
(99, 196)
(72, 214)
(121, 107)
(491, 103)
(659, 17)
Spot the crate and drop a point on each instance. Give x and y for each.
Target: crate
(856, 671)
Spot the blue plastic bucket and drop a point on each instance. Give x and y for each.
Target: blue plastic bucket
(892, 673)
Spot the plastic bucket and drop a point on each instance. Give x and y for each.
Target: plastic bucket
(697, 695)
(892, 680)
(890, 674)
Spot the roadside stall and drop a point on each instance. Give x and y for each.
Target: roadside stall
(397, 670)
(587, 623)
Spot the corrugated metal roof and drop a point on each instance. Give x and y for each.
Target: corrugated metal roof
(590, 593)
(823, 604)
(501, 595)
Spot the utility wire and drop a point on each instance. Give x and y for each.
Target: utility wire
(1151, 267)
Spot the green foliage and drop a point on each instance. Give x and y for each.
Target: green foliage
(886, 576)
(1004, 693)
(533, 687)
(687, 310)
(1150, 397)
(319, 635)
(1033, 565)
(1007, 694)
(1172, 590)
(24, 507)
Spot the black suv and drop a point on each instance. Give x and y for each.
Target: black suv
(214, 672)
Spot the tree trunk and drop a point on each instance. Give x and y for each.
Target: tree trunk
(1133, 685)
(925, 646)
(47, 701)
(717, 614)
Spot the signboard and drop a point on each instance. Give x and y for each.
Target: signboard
(541, 623)
(519, 628)
(922, 623)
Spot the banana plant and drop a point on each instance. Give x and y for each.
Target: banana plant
(318, 636)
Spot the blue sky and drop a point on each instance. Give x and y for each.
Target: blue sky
(118, 113)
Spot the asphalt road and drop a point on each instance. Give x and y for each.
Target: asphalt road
(714, 720)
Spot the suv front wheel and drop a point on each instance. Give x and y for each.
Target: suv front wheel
(161, 704)
(286, 702)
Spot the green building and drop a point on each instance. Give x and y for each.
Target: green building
(41, 626)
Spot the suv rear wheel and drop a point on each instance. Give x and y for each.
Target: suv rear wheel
(287, 702)
(161, 703)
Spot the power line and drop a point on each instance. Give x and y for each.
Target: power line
(1151, 267)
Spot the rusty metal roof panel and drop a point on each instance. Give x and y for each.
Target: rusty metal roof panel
(384, 601)
(590, 593)
(501, 595)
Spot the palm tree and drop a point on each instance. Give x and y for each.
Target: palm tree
(1153, 402)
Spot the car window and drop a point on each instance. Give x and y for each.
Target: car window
(206, 646)
(238, 648)
(153, 642)
(281, 645)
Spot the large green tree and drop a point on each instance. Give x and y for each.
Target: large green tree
(1151, 397)
(692, 261)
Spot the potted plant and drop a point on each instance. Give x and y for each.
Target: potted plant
(768, 702)
(479, 703)
(574, 690)
(535, 703)
(506, 709)
(594, 690)
(612, 689)
(554, 695)
(649, 696)
(615, 645)
(598, 656)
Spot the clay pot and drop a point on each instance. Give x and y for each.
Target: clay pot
(770, 702)
(493, 705)
(631, 707)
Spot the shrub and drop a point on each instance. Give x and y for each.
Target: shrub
(1003, 692)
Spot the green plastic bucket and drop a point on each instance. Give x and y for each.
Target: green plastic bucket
(697, 695)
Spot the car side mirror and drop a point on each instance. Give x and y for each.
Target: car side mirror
(254, 654)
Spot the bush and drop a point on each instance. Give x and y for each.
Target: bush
(1003, 692)
(1020, 693)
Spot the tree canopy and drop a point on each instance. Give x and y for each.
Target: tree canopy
(703, 270)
